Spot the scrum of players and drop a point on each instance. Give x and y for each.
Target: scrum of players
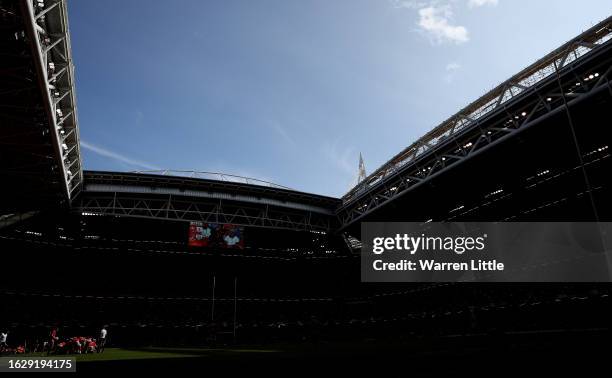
(56, 345)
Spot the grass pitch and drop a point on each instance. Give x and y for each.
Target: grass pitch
(115, 354)
(121, 354)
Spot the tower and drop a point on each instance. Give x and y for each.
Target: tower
(362, 171)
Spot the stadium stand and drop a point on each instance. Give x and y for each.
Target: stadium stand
(82, 250)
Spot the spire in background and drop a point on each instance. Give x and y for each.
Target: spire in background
(362, 171)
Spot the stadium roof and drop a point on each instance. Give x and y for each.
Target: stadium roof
(39, 117)
(517, 86)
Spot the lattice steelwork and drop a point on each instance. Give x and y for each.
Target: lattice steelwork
(213, 176)
(573, 72)
(188, 209)
(498, 99)
(197, 199)
(46, 26)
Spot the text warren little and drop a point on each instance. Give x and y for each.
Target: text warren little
(432, 265)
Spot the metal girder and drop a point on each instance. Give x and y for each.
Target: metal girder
(583, 79)
(170, 207)
(46, 25)
(217, 176)
(199, 198)
(205, 186)
(497, 100)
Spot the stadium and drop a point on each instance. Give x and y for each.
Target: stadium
(221, 268)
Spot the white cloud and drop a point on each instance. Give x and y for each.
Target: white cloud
(117, 156)
(453, 66)
(451, 69)
(480, 3)
(436, 21)
(341, 156)
(410, 4)
(280, 130)
(344, 159)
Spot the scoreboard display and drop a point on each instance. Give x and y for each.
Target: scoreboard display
(216, 235)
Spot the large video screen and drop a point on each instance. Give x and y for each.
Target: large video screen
(216, 235)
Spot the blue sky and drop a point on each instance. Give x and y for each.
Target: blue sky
(292, 91)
